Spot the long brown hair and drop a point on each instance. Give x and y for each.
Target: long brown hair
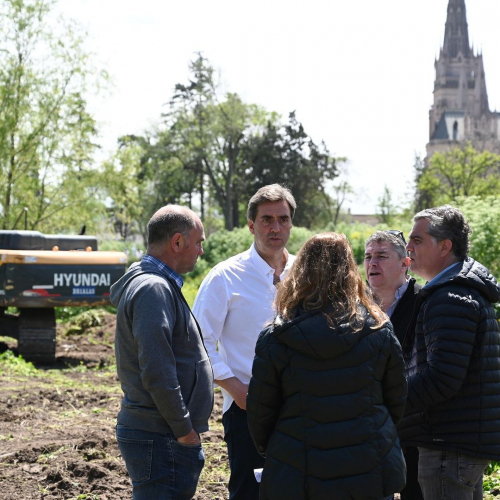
(324, 276)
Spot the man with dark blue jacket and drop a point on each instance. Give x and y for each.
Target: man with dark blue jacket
(386, 268)
(163, 367)
(453, 360)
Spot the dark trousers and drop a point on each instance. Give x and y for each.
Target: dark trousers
(412, 489)
(243, 456)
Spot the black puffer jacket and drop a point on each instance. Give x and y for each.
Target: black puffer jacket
(321, 406)
(454, 366)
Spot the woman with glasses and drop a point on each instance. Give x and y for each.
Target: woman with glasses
(327, 385)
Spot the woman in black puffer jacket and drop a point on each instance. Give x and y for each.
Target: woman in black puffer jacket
(328, 385)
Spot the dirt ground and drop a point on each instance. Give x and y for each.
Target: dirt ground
(57, 424)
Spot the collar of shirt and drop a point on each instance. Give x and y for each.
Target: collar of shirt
(263, 267)
(399, 293)
(436, 278)
(164, 269)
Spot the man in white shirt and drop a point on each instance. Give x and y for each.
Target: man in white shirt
(233, 304)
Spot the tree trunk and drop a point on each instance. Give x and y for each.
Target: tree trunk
(8, 191)
(202, 197)
(228, 209)
(236, 212)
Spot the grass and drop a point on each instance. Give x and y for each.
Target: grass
(19, 371)
(13, 365)
(491, 483)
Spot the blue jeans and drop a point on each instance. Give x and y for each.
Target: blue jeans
(449, 475)
(158, 465)
(243, 455)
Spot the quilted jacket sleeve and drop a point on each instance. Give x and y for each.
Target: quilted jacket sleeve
(264, 393)
(394, 381)
(448, 322)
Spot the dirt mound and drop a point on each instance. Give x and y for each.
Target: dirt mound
(57, 423)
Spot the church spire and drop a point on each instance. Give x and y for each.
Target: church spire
(456, 34)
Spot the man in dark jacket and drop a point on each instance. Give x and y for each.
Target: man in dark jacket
(163, 367)
(453, 360)
(386, 268)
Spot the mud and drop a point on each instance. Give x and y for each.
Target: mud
(57, 425)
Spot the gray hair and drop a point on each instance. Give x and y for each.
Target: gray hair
(169, 220)
(272, 192)
(396, 242)
(448, 223)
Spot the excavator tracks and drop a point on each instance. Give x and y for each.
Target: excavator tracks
(37, 335)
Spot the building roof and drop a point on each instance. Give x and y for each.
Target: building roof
(441, 131)
(456, 34)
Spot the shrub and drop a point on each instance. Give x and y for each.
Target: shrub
(483, 216)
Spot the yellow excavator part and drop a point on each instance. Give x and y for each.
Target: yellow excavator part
(61, 257)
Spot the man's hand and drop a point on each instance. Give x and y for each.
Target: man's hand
(237, 389)
(191, 438)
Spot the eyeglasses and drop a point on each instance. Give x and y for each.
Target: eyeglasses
(398, 234)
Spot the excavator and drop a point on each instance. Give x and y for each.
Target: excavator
(39, 272)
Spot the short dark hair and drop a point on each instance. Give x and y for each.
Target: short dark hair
(271, 192)
(167, 221)
(396, 242)
(448, 223)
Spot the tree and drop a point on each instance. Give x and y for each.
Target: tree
(386, 207)
(46, 131)
(483, 215)
(285, 154)
(122, 181)
(217, 150)
(207, 133)
(148, 167)
(463, 171)
(342, 190)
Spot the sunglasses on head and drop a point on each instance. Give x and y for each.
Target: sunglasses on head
(398, 234)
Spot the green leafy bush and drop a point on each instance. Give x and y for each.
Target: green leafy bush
(11, 365)
(85, 319)
(491, 482)
(133, 250)
(221, 245)
(65, 314)
(483, 216)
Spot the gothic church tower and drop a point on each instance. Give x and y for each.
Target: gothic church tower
(460, 111)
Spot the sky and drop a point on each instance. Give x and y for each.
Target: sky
(358, 73)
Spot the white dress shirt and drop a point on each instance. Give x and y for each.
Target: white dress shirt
(233, 305)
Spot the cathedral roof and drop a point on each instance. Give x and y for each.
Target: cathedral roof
(441, 131)
(456, 34)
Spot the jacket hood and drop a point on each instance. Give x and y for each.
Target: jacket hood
(312, 335)
(136, 269)
(474, 275)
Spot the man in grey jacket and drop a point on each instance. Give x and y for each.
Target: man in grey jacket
(162, 364)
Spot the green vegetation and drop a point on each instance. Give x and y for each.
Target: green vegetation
(72, 314)
(218, 150)
(85, 319)
(483, 215)
(12, 365)
(491, 483)
(460, 172)
(47, 135)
